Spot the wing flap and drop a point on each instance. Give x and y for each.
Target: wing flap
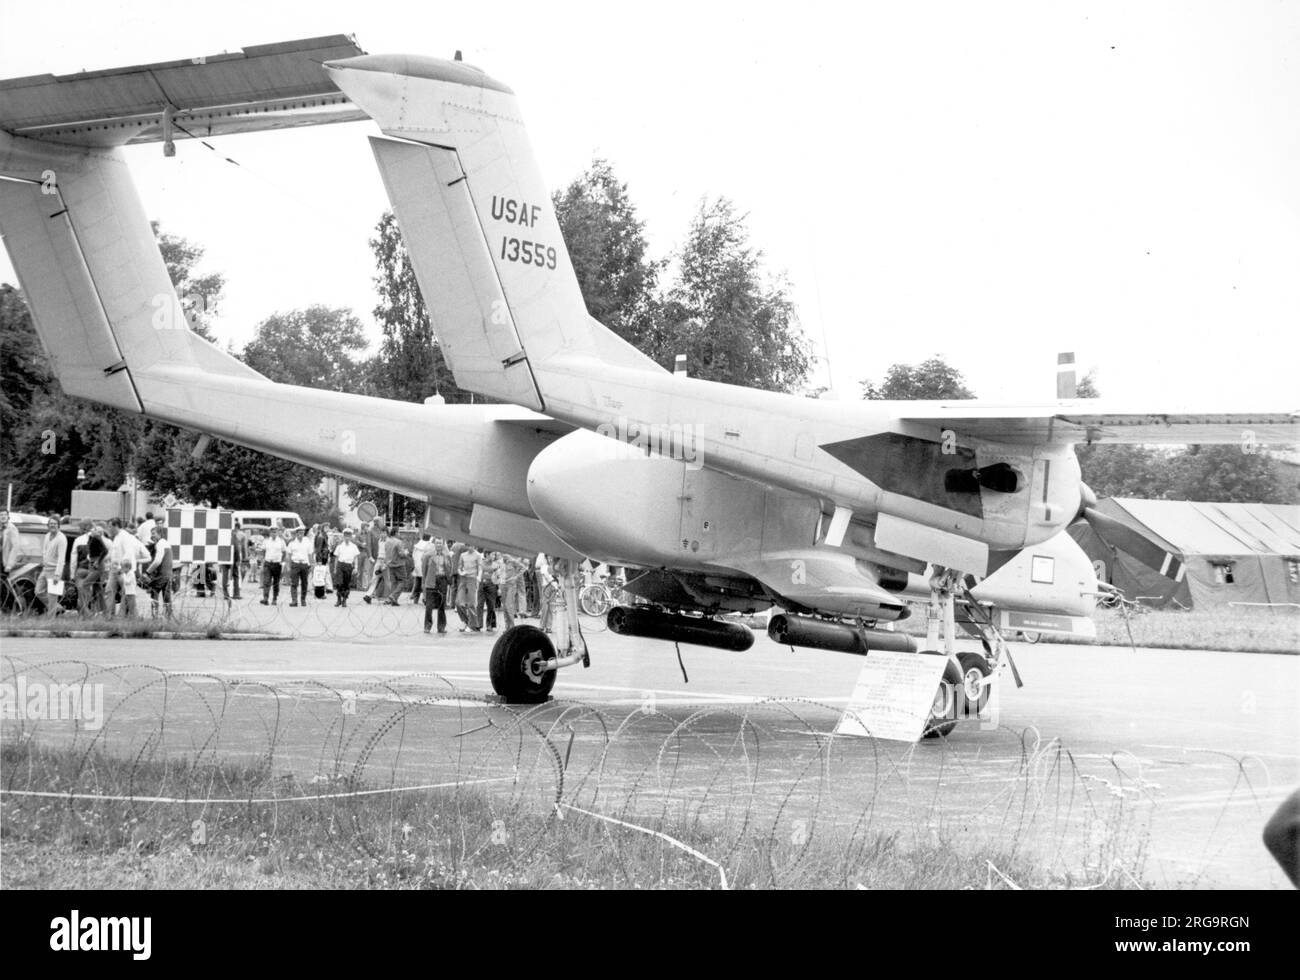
(1096, 421)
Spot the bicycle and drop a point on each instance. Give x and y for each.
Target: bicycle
(599, 598)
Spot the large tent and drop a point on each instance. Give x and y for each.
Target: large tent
(1196, 554)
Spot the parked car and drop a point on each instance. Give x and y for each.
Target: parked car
(19, 593)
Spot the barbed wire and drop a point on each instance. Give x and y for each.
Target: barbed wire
(415, 765)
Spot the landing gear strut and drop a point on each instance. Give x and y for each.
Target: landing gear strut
(968, 677)
(524, 660)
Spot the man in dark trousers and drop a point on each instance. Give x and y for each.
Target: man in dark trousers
(160, 572)
(435, 578)
(236, 567)
(394, 557)
(488, 598)
(347, 556)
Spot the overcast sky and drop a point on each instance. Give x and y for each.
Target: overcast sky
(991, 181)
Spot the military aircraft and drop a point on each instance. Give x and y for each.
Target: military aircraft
(837, 516)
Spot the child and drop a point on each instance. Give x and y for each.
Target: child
(127, 582)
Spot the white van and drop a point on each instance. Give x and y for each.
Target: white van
(267, 519)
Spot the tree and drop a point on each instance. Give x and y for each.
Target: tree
(1087, 388)
(300, 347)
(26, 379)
(1229, 473)
(409, 366)
(1114, 470)
(606, 242)
(315, 348)
(46, 437)
(733, 322)
(199, 293)
(931, 379)
(226, 475)
(1213, 473)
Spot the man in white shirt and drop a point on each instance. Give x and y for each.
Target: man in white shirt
(346, 555)
(54, 549)
(300, 556)
(272, 566)
(125, 550)
(418, 551)
(145, 531)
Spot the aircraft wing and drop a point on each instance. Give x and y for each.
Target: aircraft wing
(268, 86)
(526, 419)
(1094, 420)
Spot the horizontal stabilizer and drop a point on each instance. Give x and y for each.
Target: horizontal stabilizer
(268, 86)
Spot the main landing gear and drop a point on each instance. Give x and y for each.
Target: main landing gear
(524, 660)
(968, 677)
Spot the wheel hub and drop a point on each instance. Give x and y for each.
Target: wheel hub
(532, 665)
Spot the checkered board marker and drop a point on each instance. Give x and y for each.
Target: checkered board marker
(197, 534)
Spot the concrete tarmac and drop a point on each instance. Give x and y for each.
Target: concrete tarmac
(1164, 764)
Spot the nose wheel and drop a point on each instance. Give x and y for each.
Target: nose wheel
(517, 666)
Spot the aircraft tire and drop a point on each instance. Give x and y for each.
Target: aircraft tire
(973, 662)
(508, 668)
(935, 726)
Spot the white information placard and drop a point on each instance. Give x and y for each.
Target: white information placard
(894, 696)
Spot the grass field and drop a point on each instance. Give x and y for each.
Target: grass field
(138, 627)
(1245, 630)
(443, 839)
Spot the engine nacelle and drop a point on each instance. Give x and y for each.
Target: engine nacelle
(611, 499)
(602, 497)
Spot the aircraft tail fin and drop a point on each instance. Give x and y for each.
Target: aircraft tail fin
(478, 223)
(90, 269)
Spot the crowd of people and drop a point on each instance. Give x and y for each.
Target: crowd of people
(105, 570)
(108, 568)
